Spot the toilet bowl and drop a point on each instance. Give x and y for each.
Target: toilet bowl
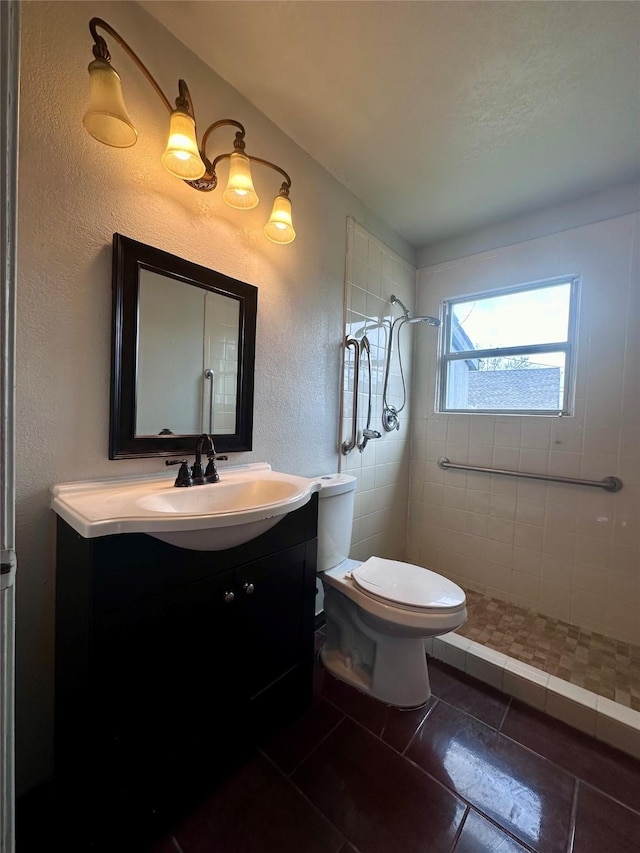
(378, 612)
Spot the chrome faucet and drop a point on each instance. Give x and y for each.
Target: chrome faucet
(196, 476)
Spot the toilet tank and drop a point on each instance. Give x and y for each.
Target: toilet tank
(335, 519)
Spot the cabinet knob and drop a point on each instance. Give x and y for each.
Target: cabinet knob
(229, 597)
(249, 588)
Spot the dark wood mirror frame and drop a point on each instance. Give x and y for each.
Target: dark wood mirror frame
(129, 257)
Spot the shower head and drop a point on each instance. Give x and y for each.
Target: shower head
(431, 321)
(371, 327)
(395, 301)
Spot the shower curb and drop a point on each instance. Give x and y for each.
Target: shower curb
(595, 715)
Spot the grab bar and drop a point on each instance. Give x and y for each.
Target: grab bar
(609, 484)
(367, 433)
(210, 375)
(347, 446)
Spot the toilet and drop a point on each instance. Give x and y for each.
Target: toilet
(378, 612)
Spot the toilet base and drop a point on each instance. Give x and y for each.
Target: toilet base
(410, 689)
(391, 668)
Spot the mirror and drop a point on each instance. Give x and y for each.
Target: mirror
(183, 352)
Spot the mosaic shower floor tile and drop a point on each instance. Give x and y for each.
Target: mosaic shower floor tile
(601, 664)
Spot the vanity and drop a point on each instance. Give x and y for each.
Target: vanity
(172, 661)
(184, 612)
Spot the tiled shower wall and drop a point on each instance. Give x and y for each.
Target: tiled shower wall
(221, 354)
(571, 552)
(373, 274)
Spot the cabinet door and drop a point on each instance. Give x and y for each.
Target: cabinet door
(277, 604)
(164, 680)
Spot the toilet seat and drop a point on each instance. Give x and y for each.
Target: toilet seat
(407, 586)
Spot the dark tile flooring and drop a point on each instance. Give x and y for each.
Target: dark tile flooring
(472, 772)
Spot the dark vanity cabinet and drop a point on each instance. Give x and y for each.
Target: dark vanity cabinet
(171, 664)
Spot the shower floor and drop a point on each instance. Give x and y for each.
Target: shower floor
(598, 663)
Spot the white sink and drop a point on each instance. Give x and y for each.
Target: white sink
(248, 500)
(227, 496)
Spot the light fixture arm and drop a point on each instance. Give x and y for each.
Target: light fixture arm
(209, 180)
(101, 51)
(224, 122)
(286, 185)
(183, 101)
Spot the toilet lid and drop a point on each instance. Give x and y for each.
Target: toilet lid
(407, 585)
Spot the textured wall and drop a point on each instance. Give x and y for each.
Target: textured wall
(74, 194)
(569, 551)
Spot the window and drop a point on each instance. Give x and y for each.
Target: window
(510, 350)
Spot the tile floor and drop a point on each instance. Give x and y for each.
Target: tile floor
(472, 772)
(600, 664)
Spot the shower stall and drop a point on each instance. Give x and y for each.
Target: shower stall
(552, 569)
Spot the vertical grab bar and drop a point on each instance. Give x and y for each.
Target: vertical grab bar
(347, 446)
(367, 433)
(210, 375)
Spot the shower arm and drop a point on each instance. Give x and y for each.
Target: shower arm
(390, 413)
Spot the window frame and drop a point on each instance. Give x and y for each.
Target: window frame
(568, 347)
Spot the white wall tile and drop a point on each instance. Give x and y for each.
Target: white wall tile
(623, 588)
(500, 530)
(477, 524)
(562, 464)
(525, 587)
(529, 562)
(529, 536)
(485, 664)
(526, 683)
(506, 457)
(558, 543)
(586, 607)
(561, 517)
(451, 648)
(380, 468)
(500, 553)
(502, 506)
(571, 704)
(581, 543)
(566, 436)
(618, 726)
(625, 559)
(530, 512)
(593, 580)
(508, 432)
(536, 434)
(595, 552)
(477, 501)
(555, 599)
(482, 456)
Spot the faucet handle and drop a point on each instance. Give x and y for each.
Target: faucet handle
(184, 474)
(211, 472)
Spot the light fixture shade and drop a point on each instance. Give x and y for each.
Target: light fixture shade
(181, 156)
(106, 118)
(240, 192)
(279, 228)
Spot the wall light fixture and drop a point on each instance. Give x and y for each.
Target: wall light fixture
(107, 120)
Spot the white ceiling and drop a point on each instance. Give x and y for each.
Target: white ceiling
(441, 116)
